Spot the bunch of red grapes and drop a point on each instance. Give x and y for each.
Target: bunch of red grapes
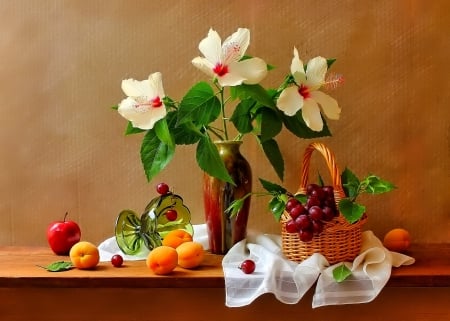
(309, 219)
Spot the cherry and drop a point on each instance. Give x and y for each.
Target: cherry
(328, 213)
(291, 226)
(297, 210)
(117, 260)
(162, 188)
(171, 215)
(248, 266)
(306, 235)
(317, 227)
(303, 222)
(315, 213)
(291, 203)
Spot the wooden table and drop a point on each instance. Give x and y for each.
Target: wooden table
(132, 292)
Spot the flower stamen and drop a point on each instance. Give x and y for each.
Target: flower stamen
(148, 104)
(304, 91)
(333, 81)
(220, 69)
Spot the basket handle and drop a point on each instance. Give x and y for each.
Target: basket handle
(332, 167)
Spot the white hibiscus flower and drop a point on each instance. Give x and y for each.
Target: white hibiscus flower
(223, 61)
(305, 95)
(144, 105)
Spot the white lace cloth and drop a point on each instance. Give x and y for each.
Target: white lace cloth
(289, 281)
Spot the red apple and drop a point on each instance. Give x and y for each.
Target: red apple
(62, 235)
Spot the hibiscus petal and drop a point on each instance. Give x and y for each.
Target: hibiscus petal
(230, 79)
(234, 46)
(290, 101)
(211, 47)
(143, 118)
(315, 72)
(297, 69)
(311, 115)
(252, 70)
(329, 105)
(204, 65)
(135, 88)
(156, 85)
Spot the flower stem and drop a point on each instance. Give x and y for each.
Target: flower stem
(222, 105)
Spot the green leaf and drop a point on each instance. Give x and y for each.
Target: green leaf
(115, 107)
(351, 210)
(273, 154)
(255, 92)
(277, 206)
(163, 132)
(199, 105)
(330, 61)
(169, 102)
(272, 188)
(350, 183)
(296, 125)
(184, 134)
(341, 272)
(375, 185)
(242, 118)
(302, 198)
(271, 124)
(155, 154)
(58, 266)
(237, 205)
(132, 130)
(209, 160)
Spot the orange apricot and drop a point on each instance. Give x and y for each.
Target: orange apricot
(162, 260)
(397, 239)
(176, 237)
(84, 255)
(190, 254)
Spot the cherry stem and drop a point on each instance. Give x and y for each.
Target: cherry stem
(65, 216)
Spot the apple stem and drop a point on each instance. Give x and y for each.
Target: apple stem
(65, 216)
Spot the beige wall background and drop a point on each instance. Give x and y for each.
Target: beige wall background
(63, 148)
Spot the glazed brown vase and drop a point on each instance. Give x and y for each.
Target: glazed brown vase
(225, 231)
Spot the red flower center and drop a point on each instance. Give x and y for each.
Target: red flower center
(220, 70)
(304, 91)
(156, 102)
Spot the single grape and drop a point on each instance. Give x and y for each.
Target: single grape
(315, 213)
(297, 210)
(306, 235)
(328, 191)
(248, 266)
(318, 192)
(162, 188)
(291, 203)
(317, 227)
(117, 260)
(312, 201)
(328, 213)
(310, 188)
(303, 222)
(291, 227)
(171, 215)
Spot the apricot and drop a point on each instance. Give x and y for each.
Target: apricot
(397, 240)
(190, 254)
(162, 260)
(84, 255)
(176, 237)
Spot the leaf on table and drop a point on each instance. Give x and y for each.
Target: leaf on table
(341, 272)
(58, 266)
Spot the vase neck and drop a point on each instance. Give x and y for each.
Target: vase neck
(228, 145)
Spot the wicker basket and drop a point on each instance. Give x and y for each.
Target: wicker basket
(340, 240)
